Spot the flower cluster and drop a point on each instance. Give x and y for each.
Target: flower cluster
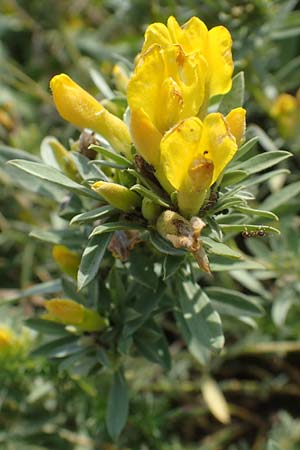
(184, 146)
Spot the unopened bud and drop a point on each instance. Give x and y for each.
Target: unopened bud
(117, 195)
(63, 158)
(67, 260)
(78, 107)
(121, 78)
(69, 312)
(150, 210)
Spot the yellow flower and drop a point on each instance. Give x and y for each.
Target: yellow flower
(78, 107)
(286, 112)
(7, 338)
(166, 87)
(67, 260)
(193, 154)
(68, 312)
(215, 45)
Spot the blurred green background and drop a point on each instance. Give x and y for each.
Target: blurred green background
(259, 371)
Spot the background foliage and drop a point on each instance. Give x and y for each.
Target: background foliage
(258, 372)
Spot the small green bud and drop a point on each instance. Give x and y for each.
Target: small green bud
(150, 210)
(117, 195)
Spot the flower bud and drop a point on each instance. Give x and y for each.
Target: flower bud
(78, 107)
(117, 195)
(67, 260)
(69, 312)
(120, 77)
(63, 158)
(150, 210)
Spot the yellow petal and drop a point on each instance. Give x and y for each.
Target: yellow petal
(168, 85)
(236, 120)
(219, 59)
(192, 36)
(144, 86)
(178, 149)
(156, 33)
(78, 107)
(217, 143)
(145, 136)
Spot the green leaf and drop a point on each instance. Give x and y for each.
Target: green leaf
(110, 154)
(86, 170)
(263, 161)
(263, 138)
(228, 228)
(142, 270)
(151, 342)
(282, 196)
(164, 246)
(288, 75)
(116, 226)
(235, 97)
(202, 321)
(105, 163)
(252, 181)
(200, 352)
(50, 174)
(233, 177)
(218, 248)
(142, 309)
(78, 365)
(59, 348)
(233, 303)
(118, 406)
(244, 149)
(69, 238)
(101, 83)
(69, 287)
(144, 192)
(171, 265)
(47, 327)
(256, 212)
(93, 214)
(91, 259)
(220, 264)
(49, 287)
(8, 153)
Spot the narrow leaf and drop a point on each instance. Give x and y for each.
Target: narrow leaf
(235, 97)
(50, 174)
(118, 405)
(91, 259)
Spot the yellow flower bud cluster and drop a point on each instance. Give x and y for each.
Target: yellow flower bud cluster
(178, 71)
